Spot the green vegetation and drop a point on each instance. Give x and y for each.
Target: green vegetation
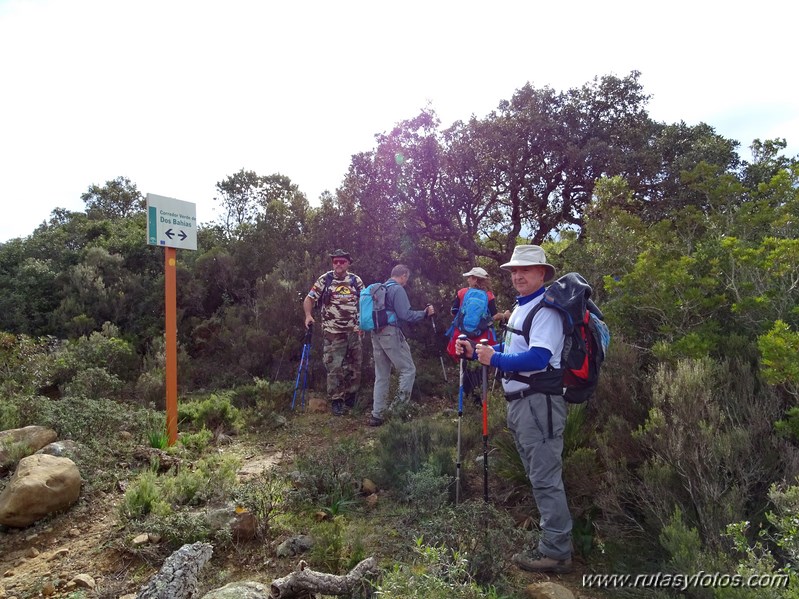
(687, 458)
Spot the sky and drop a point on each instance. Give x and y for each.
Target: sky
(177, 95)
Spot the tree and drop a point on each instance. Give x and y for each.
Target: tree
(119, 198)
(241, 196)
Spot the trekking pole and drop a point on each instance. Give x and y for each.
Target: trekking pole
(485, 427)
(440, 357)
(303, 368)
(460, 419)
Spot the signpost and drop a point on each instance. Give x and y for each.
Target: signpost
(172, 224)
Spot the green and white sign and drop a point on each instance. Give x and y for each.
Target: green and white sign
(171, 223)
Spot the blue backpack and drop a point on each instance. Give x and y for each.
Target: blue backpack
(373, 314)
(473, 318)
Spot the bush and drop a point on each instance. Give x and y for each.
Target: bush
(88, 421)
(405, 447)
(216, 413)
(478, 531)
(142, 497)
(93, 382)
(264, 496)
(326, 476)
(437, 573)
(196, 443)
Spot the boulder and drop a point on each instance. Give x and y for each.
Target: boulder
(35, 437)
(42, 485)
(240, 590)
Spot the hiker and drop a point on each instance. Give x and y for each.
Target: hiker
(477, 279)
(390, 347)
(536, 415)
(336, 292)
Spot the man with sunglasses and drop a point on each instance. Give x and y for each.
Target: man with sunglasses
(336, 293)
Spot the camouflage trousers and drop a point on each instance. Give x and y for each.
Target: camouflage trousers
(343, 357)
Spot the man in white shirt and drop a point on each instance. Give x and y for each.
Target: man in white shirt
(532, 382)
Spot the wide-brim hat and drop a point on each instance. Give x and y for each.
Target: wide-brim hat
(477, 272)
(530, 255)
(340, 254)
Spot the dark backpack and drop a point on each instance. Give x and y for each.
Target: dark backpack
(373, 314)
(587, 338)
(473, 318)
(324, 298)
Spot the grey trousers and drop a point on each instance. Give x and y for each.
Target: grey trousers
(390, 349)
(541, 453)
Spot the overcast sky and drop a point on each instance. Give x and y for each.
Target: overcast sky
(177, 95)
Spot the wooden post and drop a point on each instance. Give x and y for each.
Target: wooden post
(171, 344)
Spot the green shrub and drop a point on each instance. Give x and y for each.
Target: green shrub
(327, 552)
(484, 535)
(102, 350)
(405, 447)
(326, 476)
(264, 496)
(427, 489)
(216, 413)
(142, 497)
(437, 573)
(181, 527)
(93, 382)
(85, 420)
(198, 442)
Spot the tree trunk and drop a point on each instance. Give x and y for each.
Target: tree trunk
(304, 581)
(177, 578)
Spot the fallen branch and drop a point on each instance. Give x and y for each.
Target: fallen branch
(177, 578)
(304, 581)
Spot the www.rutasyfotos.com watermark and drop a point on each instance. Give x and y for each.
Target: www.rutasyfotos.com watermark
(682, 582)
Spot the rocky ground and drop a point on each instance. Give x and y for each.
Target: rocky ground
(86, 552)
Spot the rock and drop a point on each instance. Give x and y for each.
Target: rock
(84, 581)
(31, 552)
(241, 522)
(141, 539)
(548, 590)
(48, 589)
(58, 554)
(318, 405)
(239, 590)
(368, 487)
(66, 448)
(35, 437)
(42, 485)
(294, 546)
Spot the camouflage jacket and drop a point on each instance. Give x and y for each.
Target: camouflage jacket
(339, 301)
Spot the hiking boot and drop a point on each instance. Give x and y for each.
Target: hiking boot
(538, 562)
(337, 407)
(373, 421)
(350, 400)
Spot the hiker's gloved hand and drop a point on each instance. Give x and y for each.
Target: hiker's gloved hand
(484, 353)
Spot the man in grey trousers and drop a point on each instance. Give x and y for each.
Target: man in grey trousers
(390, 347)
(536, 408)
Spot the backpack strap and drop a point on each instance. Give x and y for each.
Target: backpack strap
(548, 381)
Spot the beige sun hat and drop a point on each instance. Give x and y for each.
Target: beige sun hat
(530, 255)
(477, 272)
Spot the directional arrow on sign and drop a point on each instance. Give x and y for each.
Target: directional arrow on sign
(182, 235)
(169, 233)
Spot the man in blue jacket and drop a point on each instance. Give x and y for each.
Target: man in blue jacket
(532, 382)
(390, 347)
